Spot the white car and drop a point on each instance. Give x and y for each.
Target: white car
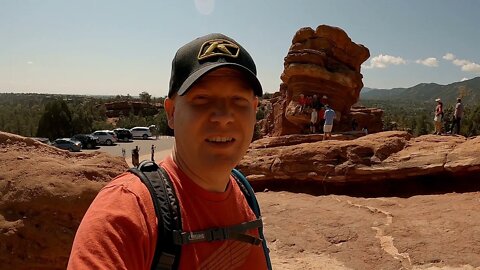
(107, 137)
(141, 132)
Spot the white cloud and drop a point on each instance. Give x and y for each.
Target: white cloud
(460, 62)
(29, 62)
(449, 56)
(429, 62)
(382, 61)
(465, 65)
(471, 67)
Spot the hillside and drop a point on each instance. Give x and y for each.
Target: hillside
(428, 92)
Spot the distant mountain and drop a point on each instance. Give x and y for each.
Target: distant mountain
(469, 90)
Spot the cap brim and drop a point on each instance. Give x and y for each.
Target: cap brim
(257, 87)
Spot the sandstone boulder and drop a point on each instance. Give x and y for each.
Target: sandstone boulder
(44, 193)
(321, 62)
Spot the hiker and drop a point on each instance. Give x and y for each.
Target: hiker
(136, 156)
(438, 117)
(313, 120)
(211, 107)
(329, 116)
(152, 153)
(354, 124)
(457, 117)
(302, 102)
(316, 104)
(321, 118)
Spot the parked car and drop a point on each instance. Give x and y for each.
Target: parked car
(68, 144)
(107, 137)
(141, 132)
(123, 134)
(88, 141)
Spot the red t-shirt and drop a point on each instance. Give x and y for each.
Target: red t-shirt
(119, 230)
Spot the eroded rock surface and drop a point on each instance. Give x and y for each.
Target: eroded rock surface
(380, 156)
(44, 193)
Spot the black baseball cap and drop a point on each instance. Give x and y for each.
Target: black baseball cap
(204, 54)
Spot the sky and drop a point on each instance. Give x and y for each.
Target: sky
(115, 47)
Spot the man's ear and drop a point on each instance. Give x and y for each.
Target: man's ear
(169, 105)
(255, 104)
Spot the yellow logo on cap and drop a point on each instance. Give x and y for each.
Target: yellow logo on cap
(218, 47)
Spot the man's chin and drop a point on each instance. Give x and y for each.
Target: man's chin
(221, 162)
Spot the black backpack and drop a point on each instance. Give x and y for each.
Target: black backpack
(167, 252)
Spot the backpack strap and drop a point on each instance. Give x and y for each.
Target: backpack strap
(253, 203)
(165, 202)
(236, 232)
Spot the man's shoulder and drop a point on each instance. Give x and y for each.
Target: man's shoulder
(129, 182)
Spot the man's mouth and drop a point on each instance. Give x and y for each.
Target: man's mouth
(220, 139)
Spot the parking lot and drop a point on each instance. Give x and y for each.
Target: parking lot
(162, 147)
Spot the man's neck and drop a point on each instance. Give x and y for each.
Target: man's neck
(214, 180)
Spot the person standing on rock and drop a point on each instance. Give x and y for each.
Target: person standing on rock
(457, 117)
(438, 117)
(313, 120)
(302, 102)
(329, 116)
(211, 107)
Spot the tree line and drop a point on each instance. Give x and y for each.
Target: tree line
(56, 116)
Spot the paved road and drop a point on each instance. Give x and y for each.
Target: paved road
(162, 147)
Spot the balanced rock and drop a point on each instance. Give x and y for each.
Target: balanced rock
(323, 64)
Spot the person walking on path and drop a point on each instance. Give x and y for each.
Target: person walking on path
(329, 116)
(136, 156)
(438, 117)
(457, 117)
(211, 107)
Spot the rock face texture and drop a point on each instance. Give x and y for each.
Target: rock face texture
(375, 157)
(321, 62)
(44, 193)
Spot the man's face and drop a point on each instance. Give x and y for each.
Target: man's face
(213, 121)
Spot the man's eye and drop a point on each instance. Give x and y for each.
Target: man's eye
(241, 101)
(200, 99)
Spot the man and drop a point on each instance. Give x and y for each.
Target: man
(211, 107)
(329, 116)
(457, 117)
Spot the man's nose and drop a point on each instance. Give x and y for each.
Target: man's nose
(222, 112)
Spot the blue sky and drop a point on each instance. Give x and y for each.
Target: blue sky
(109, 47)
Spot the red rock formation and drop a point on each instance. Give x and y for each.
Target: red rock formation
(44, 193)
(380, 156)
(324, 62)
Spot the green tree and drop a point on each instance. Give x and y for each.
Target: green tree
(56, 120)
(421, 126)
(470, 125)
(146, 97)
